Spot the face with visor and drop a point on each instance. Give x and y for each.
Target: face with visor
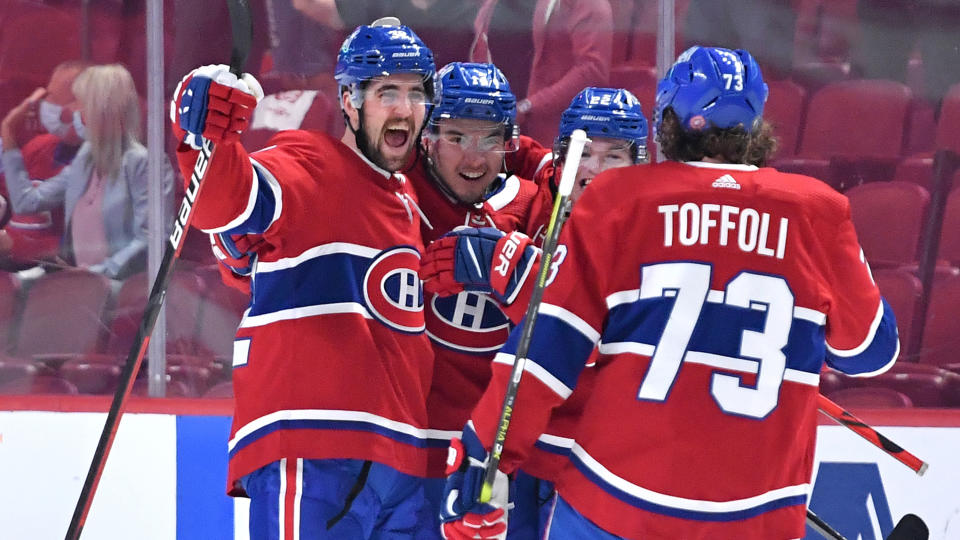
(466, 155)
(470, 129)
(615, 126)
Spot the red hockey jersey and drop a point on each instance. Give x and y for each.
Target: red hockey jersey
(466, 330)
(331, 359)
(713, 293)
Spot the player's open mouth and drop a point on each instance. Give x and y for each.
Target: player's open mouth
(472, 176)
(396, 137)
(585, 182)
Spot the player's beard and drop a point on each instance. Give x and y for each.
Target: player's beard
(369, 149)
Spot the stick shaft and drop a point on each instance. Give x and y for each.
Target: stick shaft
(822, 527)
(557, 217)
(241, 27)
(858, 426)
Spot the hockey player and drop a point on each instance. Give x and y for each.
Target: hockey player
(714, 293)
(618, 129)
(460, 181)
(331, 363)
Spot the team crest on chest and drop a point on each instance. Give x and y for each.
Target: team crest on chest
(393, 291)
(468, 322)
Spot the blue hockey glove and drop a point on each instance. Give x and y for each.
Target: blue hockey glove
(461, 516)
(479, 260)
(212, 103)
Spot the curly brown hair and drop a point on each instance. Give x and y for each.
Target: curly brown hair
(732, 145)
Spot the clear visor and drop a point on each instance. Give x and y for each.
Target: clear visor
(604, 153)
(475, 140)
(393, 93)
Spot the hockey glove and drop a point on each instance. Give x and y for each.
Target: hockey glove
(212, 103)
(461, 516)
(479, 260)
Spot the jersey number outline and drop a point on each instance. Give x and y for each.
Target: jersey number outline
(689, 284)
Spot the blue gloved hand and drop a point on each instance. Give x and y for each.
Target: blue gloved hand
(212, 103)
(461, 516)
(479, 260)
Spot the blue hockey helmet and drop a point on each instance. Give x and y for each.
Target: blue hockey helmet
(606, 112)
(476, 91)
(383, 48)
(713, 87)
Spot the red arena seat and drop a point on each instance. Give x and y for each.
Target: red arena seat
(902, 290)
(870, 397)
(63, 314)
(41, 384)
(889, 218)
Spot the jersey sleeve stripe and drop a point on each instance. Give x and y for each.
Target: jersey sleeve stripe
(274, 185)
(571, 320)
(555, 445)
(337, 419)
(878, 356)
(252, 201)
(623, 297)
(538, 371)
(866, 342)
(703, 510)
(523, 279)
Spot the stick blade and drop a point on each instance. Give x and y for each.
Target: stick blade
(910, 527)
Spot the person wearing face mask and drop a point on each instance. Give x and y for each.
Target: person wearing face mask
(48, 143)
(103, 191)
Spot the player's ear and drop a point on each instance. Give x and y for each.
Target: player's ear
(346, 104)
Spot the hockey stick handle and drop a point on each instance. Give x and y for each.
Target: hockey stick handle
(241, 25)
(822, 527)
(578, 140)
(845, 418)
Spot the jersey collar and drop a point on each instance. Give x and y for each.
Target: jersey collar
(724, 166)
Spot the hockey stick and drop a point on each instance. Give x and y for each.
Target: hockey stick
(822, 527)
(578, 139)
(241, 24)
(910, 527)
(844, 418)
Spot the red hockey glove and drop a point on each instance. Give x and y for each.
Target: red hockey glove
(212, 103)
(480, 260)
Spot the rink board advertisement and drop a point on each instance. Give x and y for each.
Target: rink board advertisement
(166, 476)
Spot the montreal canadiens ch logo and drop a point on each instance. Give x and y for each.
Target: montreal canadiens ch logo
(392, 289)
(468, 322)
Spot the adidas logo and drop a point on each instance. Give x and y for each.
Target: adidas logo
(726, 181)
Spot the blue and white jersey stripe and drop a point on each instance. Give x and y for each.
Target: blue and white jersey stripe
(685, 508)
(872, 356)
(327, 419)
(264, 205)
(323, 279)
(635, 326)
(559, 335)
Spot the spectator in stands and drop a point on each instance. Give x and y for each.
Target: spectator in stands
(572, 42)
(444, 25)
(889, 31)
(103, 192)
(48, 143)
(766, 27)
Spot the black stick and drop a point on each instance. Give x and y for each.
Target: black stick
(242, 30)
(822, 527)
